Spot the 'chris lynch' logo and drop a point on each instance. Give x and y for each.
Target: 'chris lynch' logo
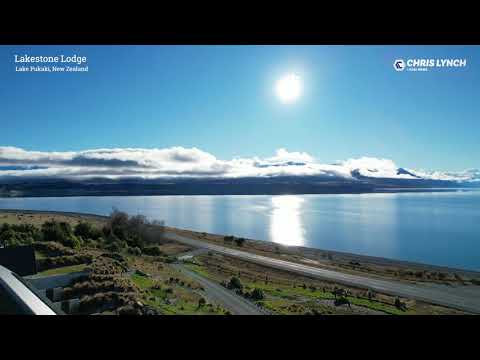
(399, 65)
(421, 64)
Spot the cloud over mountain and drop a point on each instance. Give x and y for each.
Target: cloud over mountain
(192, 162)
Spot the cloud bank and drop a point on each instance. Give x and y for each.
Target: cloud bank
(192, 162)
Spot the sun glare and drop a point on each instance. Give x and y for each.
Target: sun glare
(286, 221)
(289, 88)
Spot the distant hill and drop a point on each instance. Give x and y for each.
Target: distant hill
(41, 187)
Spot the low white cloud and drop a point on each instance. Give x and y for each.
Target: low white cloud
(193, 162)
(373, 167)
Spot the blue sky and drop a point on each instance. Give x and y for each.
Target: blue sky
(221, 100)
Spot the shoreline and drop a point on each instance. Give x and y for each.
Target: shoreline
(314, 254)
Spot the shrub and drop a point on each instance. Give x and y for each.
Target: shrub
(419, 274)
(52, 249)
(60, 232)
(169, 259)
(135, 251)
(16, 235)
(400, 305)
(257, 294)
(239, 241)
(113, 247)
(152, 251)
(201, 302)
(228, 239)
(87, 231)
(72, 242)
(235, 283)
(136, 230)
(12, 238)
(111, 239)
(342, 301)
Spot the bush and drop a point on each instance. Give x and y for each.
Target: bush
(342, 301)
(235, 283)
(400, 305)
(257, 294)
(136, 231)
(239, 241)
(60, 232)
(111, 239)
(113, 247)
(475, 281)
(16, 235)
(228, 239)
(169, 259)
(52, 249)
(87, 231)
(72, 242)
(12, 238)
(419, 274)
(152, 251)
(135, 251)
(201, 302)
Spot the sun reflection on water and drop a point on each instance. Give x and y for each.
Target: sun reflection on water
(285, 222)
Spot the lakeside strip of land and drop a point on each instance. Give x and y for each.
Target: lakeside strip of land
(312, 256)
(128, 193)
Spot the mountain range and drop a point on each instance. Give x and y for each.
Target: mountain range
(191, 171)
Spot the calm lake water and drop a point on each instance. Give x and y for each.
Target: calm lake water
(434, 228)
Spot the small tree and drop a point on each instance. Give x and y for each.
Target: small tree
(60, 232)
(257, 294)
(228, 239)
(135, 251)
(152, 251)
(86, 231)
(239, 241)
(235, 283)
(399, 304)
(201, 302)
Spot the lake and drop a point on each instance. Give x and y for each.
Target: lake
(440, 228)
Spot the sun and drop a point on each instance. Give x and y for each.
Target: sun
(289, 88)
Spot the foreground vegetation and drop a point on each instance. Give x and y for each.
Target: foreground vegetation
(125, 261)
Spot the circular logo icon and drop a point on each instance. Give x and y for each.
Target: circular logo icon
(399, 65)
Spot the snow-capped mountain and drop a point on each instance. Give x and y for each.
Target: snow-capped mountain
(181, 170)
